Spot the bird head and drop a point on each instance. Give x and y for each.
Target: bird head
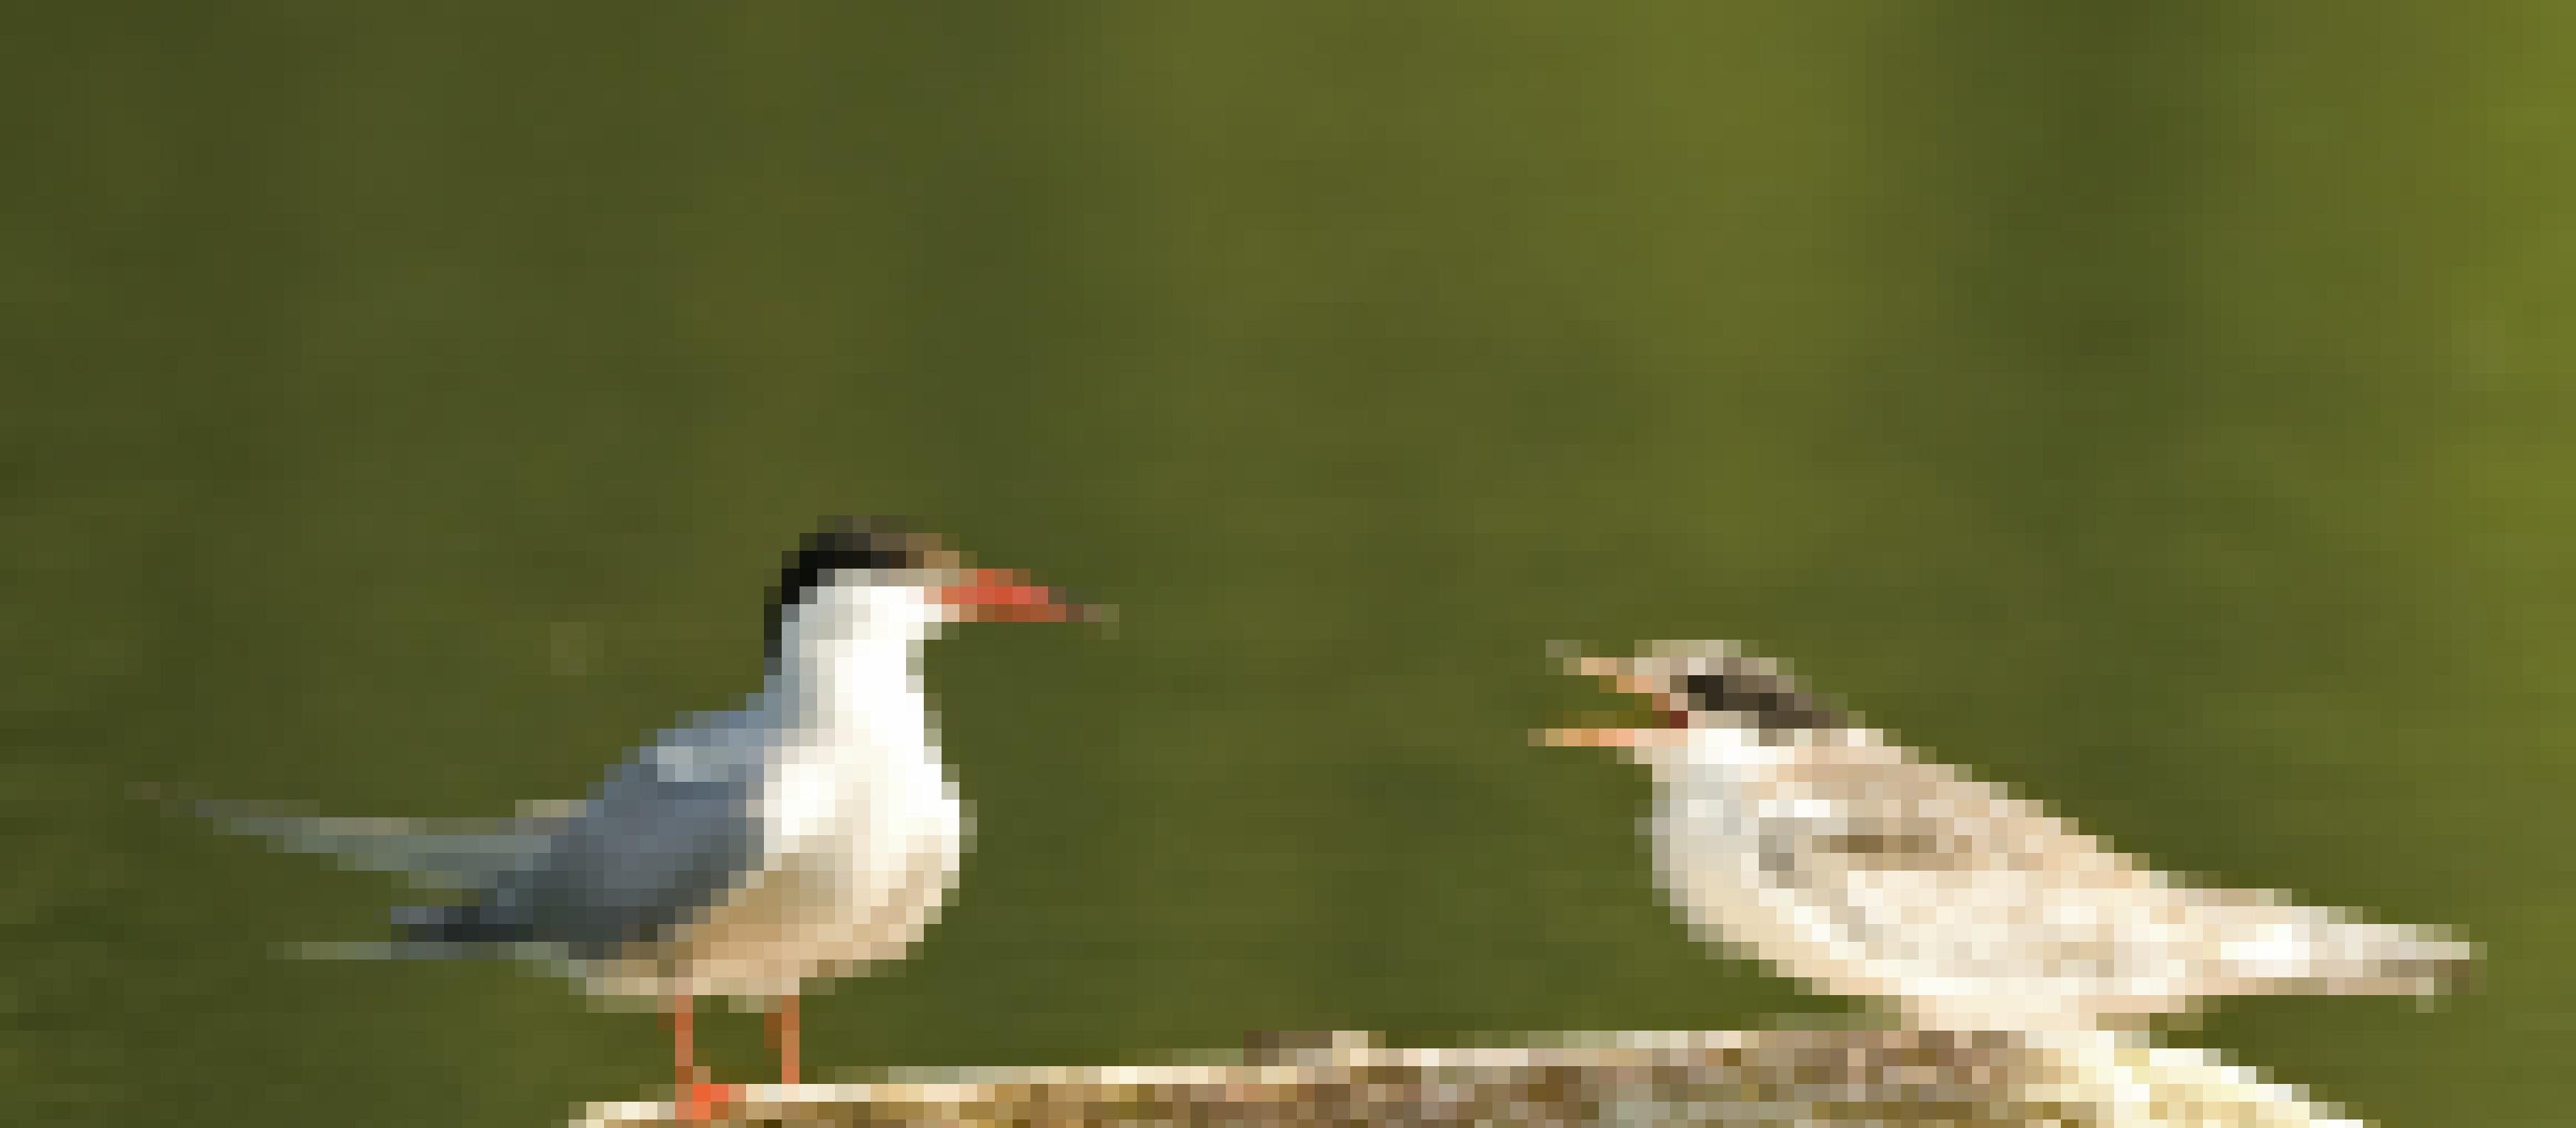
(875, 578)
(1695, 691)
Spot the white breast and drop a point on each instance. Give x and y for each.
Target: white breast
(862, 850)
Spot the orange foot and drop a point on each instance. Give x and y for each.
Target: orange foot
(702, 1101)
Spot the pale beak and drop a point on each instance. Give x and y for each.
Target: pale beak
(1611, 737)
(1623, 676)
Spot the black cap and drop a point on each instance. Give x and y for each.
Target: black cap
(1769, 698)
(842, 544)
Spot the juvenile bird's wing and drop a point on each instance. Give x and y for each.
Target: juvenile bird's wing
(1981, 907)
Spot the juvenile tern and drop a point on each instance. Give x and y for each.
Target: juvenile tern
(1782, 827)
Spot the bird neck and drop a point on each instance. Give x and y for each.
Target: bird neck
(857, 694)
(1736, 748)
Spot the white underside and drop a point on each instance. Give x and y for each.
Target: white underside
(862, 855)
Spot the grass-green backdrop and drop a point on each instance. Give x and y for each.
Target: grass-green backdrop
(2165, 408)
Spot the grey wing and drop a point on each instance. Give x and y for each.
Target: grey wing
(664, 838)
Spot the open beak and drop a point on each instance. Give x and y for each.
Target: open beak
(1610, 737)
(1001, 595)
(1622, 678)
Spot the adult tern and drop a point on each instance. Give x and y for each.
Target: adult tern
(806, 835)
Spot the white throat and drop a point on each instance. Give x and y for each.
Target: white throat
(861, 776)
(849, 672)
(1734, 744)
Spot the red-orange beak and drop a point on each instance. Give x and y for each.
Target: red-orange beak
(1002, 595)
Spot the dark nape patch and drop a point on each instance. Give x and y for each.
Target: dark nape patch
(841, 544)
(1771, 700)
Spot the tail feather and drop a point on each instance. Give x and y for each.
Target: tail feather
(2397, 959)
(2327, 951)
(387, 950)
(431, 854)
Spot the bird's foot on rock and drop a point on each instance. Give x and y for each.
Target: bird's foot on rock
(705, 1100)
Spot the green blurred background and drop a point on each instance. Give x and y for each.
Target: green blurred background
(2161, 407)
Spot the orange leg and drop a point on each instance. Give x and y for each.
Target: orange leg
(698, 1100)
(786, 1038)
(684, 1020)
